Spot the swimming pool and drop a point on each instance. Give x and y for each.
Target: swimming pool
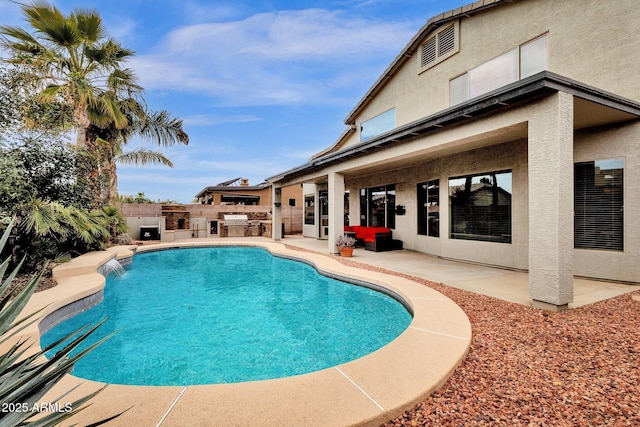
(229, 314)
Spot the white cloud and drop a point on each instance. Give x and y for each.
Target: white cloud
(280, 58)
(123, 30)
(212, 120)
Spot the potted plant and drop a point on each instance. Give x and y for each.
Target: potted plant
(346, 245)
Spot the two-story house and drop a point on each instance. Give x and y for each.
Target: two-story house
(537, 102)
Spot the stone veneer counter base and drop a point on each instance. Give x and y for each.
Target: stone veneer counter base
(366, 391)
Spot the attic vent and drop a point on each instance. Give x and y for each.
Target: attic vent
(446, 40)
(429, 52)
(441, 45)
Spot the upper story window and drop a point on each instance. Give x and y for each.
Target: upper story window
(533, 57)
(378, 125)
(523, 61)
(440, 46)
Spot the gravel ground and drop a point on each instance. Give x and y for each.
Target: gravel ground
(536, 368)
(528, 367)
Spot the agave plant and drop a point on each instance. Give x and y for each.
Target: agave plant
(26, 376)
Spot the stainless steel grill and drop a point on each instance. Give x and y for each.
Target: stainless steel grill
(236, 224)
(236, 220)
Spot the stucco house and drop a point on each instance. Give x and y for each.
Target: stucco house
(537, 102)
(238, 192)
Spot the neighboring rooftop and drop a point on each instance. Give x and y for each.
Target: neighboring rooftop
(232, 184)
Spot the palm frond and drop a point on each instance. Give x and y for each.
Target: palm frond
(89, 24)
(18, 34)
(142, 156)
(165, 130)
(111, 106)
(42, 219)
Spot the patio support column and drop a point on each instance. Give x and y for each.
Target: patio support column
(336, 209)
(276, 213)
(550, 174)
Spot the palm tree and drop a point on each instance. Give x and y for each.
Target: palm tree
(77, 64)
(158, 127)
(74, 61)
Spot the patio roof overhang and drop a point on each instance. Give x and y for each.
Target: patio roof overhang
(592, 107)
(234, 196)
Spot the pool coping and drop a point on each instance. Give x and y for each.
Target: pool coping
(366, 391)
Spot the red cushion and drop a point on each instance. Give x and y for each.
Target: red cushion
(366, 233)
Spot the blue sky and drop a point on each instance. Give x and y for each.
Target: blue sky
(261, 86)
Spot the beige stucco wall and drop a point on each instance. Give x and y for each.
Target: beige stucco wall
(589, 145)
(511, 155)
(600, 144)
(591, 41)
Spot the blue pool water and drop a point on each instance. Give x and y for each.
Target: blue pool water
(228, 314)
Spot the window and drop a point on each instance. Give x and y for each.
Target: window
(378, 125)
(598, 204)
(292, 202)
(323, 199)
(346, 207)
(429, 208)
(533, 57)
(480, 207)
(440, 46)
(378, 206)
(524, 61)
(459, 89)
(493, 74)
(309, 209)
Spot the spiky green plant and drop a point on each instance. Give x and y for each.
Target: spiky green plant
(26, 376)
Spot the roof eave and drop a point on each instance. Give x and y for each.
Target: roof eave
(413, 44)
(528, 89)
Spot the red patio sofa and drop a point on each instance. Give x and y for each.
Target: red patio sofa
(372, 238)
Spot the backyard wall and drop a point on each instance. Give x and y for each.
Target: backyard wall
(150, 214)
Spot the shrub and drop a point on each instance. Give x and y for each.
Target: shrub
(25, 377)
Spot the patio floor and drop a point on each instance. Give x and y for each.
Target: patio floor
(507, 285)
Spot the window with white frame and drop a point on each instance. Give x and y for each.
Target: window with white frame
(439, 46)
(524, 61)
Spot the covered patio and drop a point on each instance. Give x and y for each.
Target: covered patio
(504, 284)
(533, 131)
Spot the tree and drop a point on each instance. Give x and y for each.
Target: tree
(77, 65)
(22, 112)
(73, 61)
(38, 185)
(158, 127)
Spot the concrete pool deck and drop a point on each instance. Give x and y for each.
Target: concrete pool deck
(501, 283)
(366, 391)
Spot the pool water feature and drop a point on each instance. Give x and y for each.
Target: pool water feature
(229, 314)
